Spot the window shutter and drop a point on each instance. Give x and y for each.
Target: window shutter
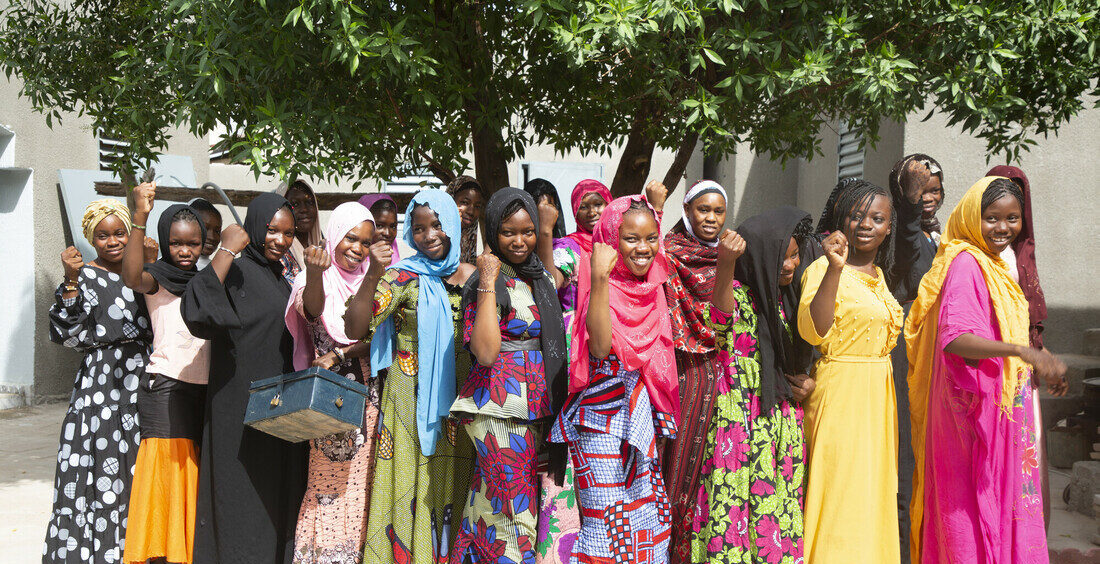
(850, 152)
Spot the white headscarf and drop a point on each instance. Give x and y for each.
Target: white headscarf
(698, 189)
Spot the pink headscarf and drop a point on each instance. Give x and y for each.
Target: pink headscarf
(368, 201)
(339, 286)
(583, 188)
(641, 329)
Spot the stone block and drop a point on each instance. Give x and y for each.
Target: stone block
(1083, 486)
(1066, 446)
(1092, 342)
(1079, 367)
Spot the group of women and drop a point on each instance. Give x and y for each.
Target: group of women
(602, 396)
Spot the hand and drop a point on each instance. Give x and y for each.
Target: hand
(836, 249)
(489, 266)
(913, 180)
(234, 238)
(656, 193)
(73, 262)
(604, 257)
(1048, 368)
(381, 255)
(730, 247)
(144, 194)
(317, 259)
(548, 214)
(327, 361)
(801, 386)
(151, 250)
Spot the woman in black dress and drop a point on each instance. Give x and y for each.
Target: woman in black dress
(250, 483)
(97, 314)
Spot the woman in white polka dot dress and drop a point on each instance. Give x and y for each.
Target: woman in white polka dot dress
(97, 314)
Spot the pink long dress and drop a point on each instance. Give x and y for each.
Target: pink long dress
(982, 491)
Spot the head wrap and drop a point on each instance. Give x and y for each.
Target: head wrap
(99, 209)
(261, 210)
(698, 189)
(168, 275)
(899, 178)
(581, 237)
(469, 234)
(368, 201)
(963, 235)
(1024, 246)
(339, 286)
(435, 382)
(543, 289)
(689, 289)
(641, 333)
(539, 187)
(782, 352)
(297, 250)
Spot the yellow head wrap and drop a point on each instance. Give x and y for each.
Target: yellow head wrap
(963, 234)
(99, 209)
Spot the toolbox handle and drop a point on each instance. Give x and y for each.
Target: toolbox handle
(275, 401)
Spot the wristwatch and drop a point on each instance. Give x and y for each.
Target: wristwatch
(221, 248)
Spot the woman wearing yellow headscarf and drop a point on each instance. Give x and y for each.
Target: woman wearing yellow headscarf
(976, 488)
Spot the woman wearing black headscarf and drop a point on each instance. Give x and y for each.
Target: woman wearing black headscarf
(250, 483)
(513, 328)
(540, 188)
(754, 455)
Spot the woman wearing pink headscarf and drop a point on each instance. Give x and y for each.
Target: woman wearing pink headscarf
(333, 517)
(384, 209)
(623, 387)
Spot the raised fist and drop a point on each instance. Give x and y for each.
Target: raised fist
(548, 214)
(604, 257)
(489, 266)
(234, 238)
(836, 249)
(151, 249)
(317, 259)
(730, 247)
(381, 255)
(73, 262)
(144, 194)
(656, 193)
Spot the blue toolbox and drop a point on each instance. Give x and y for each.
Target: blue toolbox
(305, 405)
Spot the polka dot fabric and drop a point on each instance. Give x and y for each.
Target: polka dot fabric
(99, 437)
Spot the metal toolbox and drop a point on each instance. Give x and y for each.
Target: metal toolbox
(305, 405)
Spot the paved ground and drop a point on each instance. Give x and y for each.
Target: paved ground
(28, 450)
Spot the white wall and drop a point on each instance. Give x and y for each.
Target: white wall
(17, 326)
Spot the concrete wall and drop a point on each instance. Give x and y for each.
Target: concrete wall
(17, 328)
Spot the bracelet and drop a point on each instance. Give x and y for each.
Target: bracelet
(70, 286)
(340, 355)
(484, 291)
(136, 226)
(221, 248)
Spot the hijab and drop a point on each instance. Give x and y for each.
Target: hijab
(100, 209)
(539, 187)
(297, 250)
(261, 210)
(782, 352)
(695, 263)
(581, 237)
(469, 234)
(435, 382)
(641, 333)
(552, 335)
(339, 286)
(963, 235)
(168, 275)
(1024, 247)
(899, 180)
(368, 201)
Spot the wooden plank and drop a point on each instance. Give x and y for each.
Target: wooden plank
(240, 198)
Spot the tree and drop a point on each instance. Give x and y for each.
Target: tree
(376, 88)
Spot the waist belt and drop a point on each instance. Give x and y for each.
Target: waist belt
(855, 358)
(524, 345)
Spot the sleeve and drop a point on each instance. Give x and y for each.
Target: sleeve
(206, 308)
(721, 322)
(393, 290)
(964, 302)
(811, 281)
(468, 316)
(71, 321)
(913, 254)
(566, 261)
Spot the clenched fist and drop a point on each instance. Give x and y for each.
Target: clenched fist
(317, 259)
(73, 262)
(836, 249)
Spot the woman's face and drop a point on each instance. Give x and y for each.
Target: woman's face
(867, 232)
(1001, 223)
(791, 260)
(707, 214)
(213, 223)
(516, 238)
(351, 251)
(385, 228)
(639, 240)
(470, 206)
(185, 243)
(305, 211)
(280, 234)
(589, 211)
(428, 235)
(109, 239)
(931, 197)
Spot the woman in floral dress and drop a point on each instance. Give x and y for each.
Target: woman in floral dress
(748, 508)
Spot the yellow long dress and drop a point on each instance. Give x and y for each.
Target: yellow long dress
(851, 514)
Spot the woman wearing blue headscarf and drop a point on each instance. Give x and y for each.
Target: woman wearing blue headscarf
(423, 461)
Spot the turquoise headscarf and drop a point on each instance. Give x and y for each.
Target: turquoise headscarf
(435, 383)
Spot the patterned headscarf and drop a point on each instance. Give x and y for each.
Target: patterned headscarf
(98, 210)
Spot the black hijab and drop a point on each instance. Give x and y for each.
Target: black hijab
(539, 187)
(767, 236)
(167, 274)
(261, 210)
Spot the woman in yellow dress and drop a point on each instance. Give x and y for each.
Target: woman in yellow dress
(847, 313)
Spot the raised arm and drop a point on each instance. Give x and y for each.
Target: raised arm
(360, 311)
(599, 302)
(133, 258)
(823, 305)
(548, 216)
(485, 341)
(730, 248)
(313, 296)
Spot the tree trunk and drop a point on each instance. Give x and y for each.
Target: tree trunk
(633, 169)
(490, 166)
(680, 162)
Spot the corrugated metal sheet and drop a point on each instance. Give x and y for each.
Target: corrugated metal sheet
(850, 152)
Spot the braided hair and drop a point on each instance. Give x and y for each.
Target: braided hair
(187, 215)
(1000, 188)
(851, 198)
